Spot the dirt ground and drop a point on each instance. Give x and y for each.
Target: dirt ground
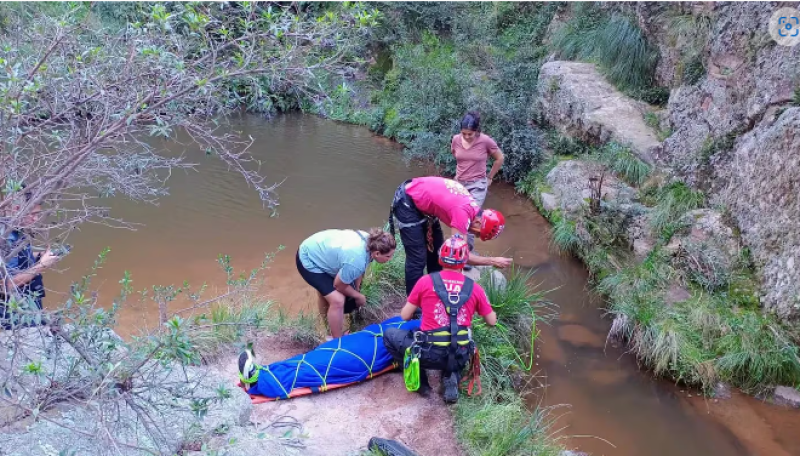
(341, 422)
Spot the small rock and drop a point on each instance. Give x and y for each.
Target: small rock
(722, 391)
(549, 202)
(570, 183)
(676, 293)
(573, 453)
(673, 246)
(474, 274)
(498, 280)
(642, 247)
(786, 395)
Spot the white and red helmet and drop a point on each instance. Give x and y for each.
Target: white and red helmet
(492, 224)
(454, 253)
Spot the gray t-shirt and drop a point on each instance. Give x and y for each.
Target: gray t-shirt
(332, 252)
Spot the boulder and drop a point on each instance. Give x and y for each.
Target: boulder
(496, 278)
(786, 395)
(549, 201)
(577, 99)
(569, 181)
(747, 76)
(707, 248)
(759, 186)
(167, 425)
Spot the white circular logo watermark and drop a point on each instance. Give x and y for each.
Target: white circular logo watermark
(784, 26)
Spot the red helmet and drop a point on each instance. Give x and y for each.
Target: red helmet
(454, 253)
(492, 224)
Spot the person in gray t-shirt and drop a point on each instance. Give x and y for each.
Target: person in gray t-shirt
(334, 261)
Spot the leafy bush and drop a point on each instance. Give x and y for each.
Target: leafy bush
(566, 146)
(452, 67)
(423, 95)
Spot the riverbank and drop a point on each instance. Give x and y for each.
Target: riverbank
(494, 422)
(684, 298)
(690, 271)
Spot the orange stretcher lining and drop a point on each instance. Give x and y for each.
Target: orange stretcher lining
(298, 392)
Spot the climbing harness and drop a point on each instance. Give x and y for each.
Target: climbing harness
(400, 197)
(451, 337)
(459, 335)
(429, 234)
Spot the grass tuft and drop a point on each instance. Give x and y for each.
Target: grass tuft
(565, 235)
(504, 427)
(507, 349)
(229, 322)
(624, 163)
(674, 200)
(613, 41)
(702, 340)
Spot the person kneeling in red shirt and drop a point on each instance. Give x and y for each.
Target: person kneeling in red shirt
(448, 300)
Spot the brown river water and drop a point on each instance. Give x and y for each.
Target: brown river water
(342, 176)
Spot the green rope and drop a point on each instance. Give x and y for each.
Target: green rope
(266, 369)
(351, 353)
(323, 378)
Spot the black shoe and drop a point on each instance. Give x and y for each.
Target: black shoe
(451, 388)
(424, 389)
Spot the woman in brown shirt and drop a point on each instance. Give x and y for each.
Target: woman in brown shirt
(472, 150)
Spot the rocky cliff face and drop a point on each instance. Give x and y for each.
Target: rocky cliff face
(735, 129)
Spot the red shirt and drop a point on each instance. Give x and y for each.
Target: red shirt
(443, 198)
(434, 315)
(471, 162)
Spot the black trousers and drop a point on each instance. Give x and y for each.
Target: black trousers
(431, 357)
(414, 228)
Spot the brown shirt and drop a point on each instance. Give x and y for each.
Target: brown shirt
(471, 162)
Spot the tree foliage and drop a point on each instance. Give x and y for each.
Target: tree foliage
(87, 101)
(83, 107)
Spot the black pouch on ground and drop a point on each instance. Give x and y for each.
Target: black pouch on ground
(389, 447)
